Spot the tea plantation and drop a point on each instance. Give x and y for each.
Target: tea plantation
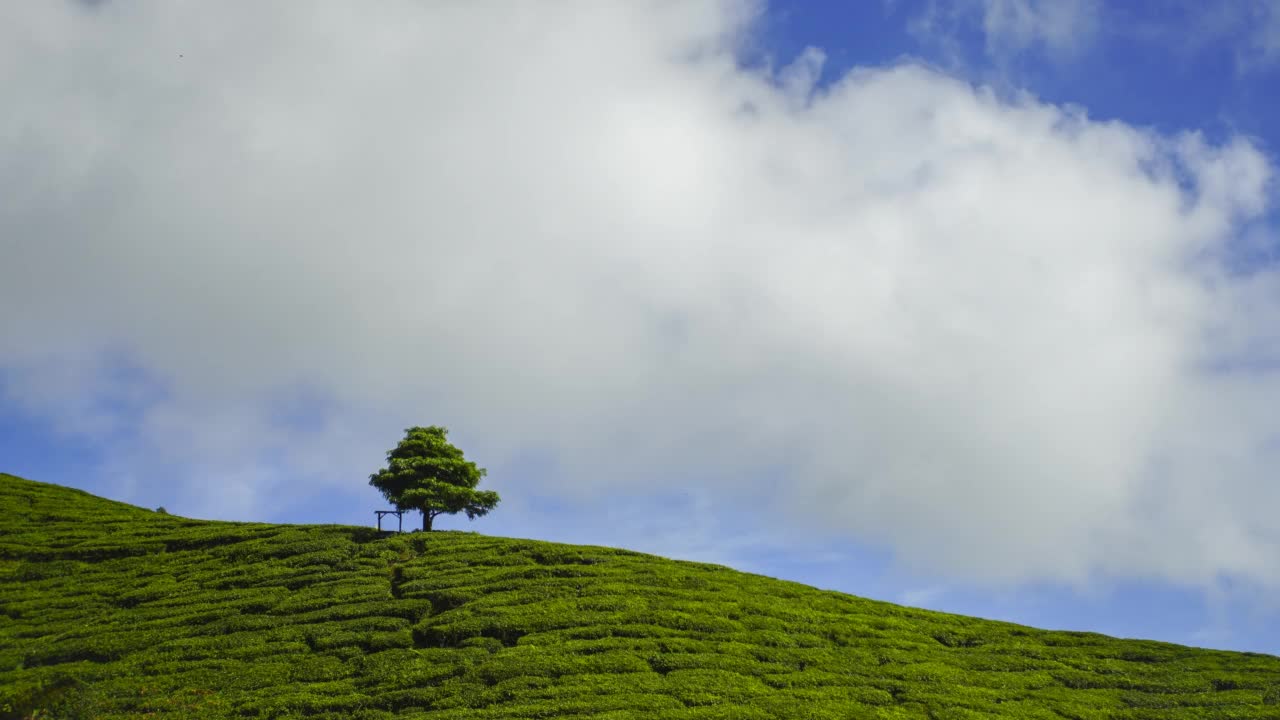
(114, 611)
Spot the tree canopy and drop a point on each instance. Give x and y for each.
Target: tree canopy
(426, 472)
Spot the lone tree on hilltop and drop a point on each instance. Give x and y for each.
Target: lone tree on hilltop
(425, 472)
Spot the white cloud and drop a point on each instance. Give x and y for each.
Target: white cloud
(1060, 28)
(1183, 30)
(1250, 29)
(925, 597)
(980, 331)
(1262, 30)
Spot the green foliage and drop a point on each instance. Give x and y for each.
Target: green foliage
(426, 472)
(56, 695)
(110, 611)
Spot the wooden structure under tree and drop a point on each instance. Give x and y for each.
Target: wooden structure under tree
(399, 519)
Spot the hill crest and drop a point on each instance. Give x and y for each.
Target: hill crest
(114, 611)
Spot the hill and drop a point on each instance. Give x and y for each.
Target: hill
(113, 611)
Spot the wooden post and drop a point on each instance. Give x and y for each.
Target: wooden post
(399, 518)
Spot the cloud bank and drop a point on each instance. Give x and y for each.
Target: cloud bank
(243, 248)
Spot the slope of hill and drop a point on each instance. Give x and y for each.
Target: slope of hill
(113, 611)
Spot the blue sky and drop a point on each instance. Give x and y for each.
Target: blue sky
(969, 306)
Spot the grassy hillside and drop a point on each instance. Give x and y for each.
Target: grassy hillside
(108, 611)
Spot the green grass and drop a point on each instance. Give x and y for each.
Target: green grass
(113, 611)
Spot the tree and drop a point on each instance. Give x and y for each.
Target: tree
(427, 473)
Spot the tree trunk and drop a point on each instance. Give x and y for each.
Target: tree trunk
(426, 521)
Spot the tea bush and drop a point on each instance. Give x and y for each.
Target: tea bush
(111, 611)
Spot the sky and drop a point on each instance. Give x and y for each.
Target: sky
(971, 306)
